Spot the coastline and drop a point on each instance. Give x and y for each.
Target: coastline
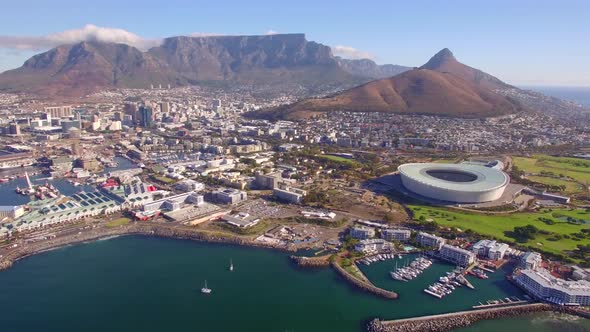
(437, 323)
(155, 230)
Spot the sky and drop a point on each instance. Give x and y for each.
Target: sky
(523, 42)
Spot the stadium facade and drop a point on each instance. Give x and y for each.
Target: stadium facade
(457, 183)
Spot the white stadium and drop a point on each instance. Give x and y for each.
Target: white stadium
(458, 183)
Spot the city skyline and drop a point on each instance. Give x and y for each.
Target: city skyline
(534, 45)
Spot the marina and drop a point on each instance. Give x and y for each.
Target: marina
(411, 271)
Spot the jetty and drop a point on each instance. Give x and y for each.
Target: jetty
(364, 284)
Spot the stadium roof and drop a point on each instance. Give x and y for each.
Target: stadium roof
(483, 178)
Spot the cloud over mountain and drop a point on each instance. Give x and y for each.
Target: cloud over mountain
(351, 52)
(89, 32)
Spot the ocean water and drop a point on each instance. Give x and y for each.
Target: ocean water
(580, 95)
(151, 284)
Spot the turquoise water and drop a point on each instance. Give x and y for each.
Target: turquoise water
(546, 322)
(150, 284)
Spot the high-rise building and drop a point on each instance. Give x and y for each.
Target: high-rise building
(146, 116)
(164, 107)
(14, 129)
(59, 111)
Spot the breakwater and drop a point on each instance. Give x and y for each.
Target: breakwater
(451, 321)
(144, 229)
(364, 285)
(320, 261)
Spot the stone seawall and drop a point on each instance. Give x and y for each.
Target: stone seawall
(144, 229)
(451, 321)
(363, 285)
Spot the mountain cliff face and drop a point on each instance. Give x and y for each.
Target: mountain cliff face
(443, 86)
(286, 59)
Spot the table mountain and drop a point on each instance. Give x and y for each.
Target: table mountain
(281, 59)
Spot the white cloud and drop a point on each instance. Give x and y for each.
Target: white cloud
(89, 32)
(351, 52)
(271, 32)
(205, 34)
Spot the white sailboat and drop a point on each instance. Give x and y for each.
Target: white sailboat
(231, 265)
(206, 290)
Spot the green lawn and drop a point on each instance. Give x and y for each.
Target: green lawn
(337, 159)
(118, 222)
(446, 161)
(496, 225)
(577, 169)
(570, 186)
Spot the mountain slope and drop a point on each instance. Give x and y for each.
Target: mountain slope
(368, 68)
(461, 91)
(445, 61)
(282, 61)
(84, 68)
(419, 91)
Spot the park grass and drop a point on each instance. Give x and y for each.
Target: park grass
(338, 159)
(570, 186)
(496, 225)
(118, 222)
(163, 179)
(446, 161)
(577, 169)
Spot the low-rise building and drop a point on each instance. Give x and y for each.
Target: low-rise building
(268, 181)
(579, 273)
(457, 255)
(189, 185)
(373, 245)
(229, 196)
(11, 211)
(174, 202)
(542, 285)
(490, 249)
(241, 220)
(430, 240)
(362, 232)
(290, 194)
(531, 260)
(396, 234)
